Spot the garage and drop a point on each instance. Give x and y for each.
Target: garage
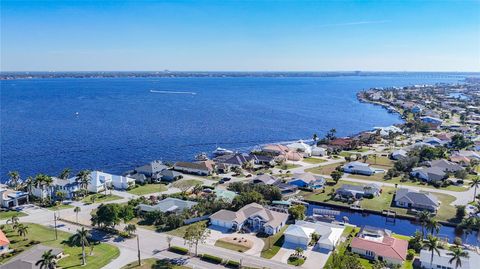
(298, 235)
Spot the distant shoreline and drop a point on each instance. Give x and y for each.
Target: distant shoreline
(226, 74)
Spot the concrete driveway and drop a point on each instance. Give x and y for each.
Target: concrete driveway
(217, 232)
(316, 258)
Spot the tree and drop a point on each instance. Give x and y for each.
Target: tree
(458, 141)
(83, 177)
(29, 182)
(298, 251)
(107, 215)
(126, 213)
(460, 214)
(416, 242)
(433, 226)
(196, 234)
(336, 175)
(60, 196)
(14, 179)
(344, 261)
(475, 182)
(130, 229)
(297, 211)
(423, 217)
(169, 241)
(246, 198)
(457, 255)
(13, 220)
(77, 210)
(22, 230)
(82, 237)
(315, 137)
(431, 244)
(47, 261)
(65, 173)
(365, 158)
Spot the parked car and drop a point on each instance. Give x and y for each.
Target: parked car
(225, 179)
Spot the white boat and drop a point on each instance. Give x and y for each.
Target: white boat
(221, 151)
(201, 157)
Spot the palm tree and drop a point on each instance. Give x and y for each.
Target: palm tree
(298, 251)
(130, 229)
(432, 245)
(13, 220)
(65, 173)
(475, 183)
(423, 217)
(29, 182)
(77, 210)
(433, 226)
(14, 178)
(47, 261)
(22, 230)
(457, 255)
(83, 177)
(82, 238)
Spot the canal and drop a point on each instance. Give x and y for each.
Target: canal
(399, 226)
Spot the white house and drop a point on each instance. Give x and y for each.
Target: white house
(301, 147)
(359, 168)
(300, 234)
(319, 151)
(399, 154)
(122, 183)
(10, 198)
(253, 217)
(99, 181)
(442, 261)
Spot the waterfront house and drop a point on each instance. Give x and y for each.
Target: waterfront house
(378, 244)
(203, 168)
(442, 261)
(286, 189)
(10, 198)
(345, 143)
(265, 179)
(252, 217)
(358, 168)
(358, 191)
(307, 181)
(151, 168)
(386, 131)
(301, 147)
(170, 175)
(69, 188)
(168, 205)
(319, 151)
(259, 159)
(122, 183)
(99, 181)
(300, 234)
(417, 200)
(275, 149)
(234, 160)
(4, 243)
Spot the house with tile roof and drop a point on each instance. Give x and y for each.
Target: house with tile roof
(4, 242)
(204, 168)
(253, 217)
(375, 244)
(415, 199)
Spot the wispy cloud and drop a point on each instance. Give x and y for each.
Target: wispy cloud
(354, 23)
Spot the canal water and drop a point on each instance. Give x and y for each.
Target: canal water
(399, 226)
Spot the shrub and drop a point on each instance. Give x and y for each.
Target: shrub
(232, 264)
(211, 258)
(410, 254)
(178, 250)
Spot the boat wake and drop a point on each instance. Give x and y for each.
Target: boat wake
(171, 92)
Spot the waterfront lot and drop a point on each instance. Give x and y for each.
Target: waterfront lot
(148, 189)
(102, 253)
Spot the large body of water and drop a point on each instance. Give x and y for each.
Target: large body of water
(116, 124)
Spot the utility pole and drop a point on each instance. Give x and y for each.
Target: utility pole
(138, 249)
(55, 222)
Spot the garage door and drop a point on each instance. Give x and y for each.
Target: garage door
(296, 240)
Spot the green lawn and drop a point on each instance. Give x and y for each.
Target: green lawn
(190, 182)
(287, 166)
(446, 212)
(147, 189)
(381, 202)
(295, 261)
(102, 253)
(180, 231)
(101, 198)
(313, 160)
(153, 263)
(380, 161)
(273, 244)
(326, 194)
(10, 214)
(324, 169)
(59, 207)
(231, 246)
(399, 236)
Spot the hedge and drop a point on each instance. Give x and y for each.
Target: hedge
(212, 259)
(178, 250)
(232, 264)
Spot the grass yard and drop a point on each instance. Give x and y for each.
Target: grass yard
(180, 231)
(102, 253)
(287, 166)
(399, 236)
(446, 212)
(324, 169)
(273, 244)
(100, 198)
(381, 202)
(10, 214)
(326, 194)
(147, 189)
(295, 261)
(381, 161)
(59, 207)
(153, 263)
(232, 246)
(189, 182)
(313, 160)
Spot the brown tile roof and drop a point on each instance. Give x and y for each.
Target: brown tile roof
(390, 247)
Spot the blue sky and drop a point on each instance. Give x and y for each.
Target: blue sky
(240, 35)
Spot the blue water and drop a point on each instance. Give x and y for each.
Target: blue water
(400, 226)
(121, 124)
